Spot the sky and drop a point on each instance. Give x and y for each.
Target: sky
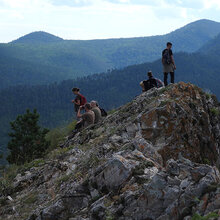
(101, 19)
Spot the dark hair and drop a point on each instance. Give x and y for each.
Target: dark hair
(169, 43)
(75, 89)
(88, 106)
(150, 73)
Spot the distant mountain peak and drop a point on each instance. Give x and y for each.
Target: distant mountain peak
(38, 37)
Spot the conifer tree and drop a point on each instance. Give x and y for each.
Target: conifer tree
(27, 138)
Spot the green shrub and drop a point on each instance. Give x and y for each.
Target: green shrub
(57, 135)
(214, 111)
(196, 216)
(27, 139)
(207, 95)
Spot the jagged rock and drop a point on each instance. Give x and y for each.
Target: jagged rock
(154, 158)
(114, 174)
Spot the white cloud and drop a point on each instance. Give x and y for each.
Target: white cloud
(89, 19)
(194, 4)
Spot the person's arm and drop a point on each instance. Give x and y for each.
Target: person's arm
(79, 115)
(142, 86)
(76, 101)
(162, 59)
(173, 61)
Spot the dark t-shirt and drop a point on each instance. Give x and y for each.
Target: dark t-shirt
(169, 52)
(150, 83)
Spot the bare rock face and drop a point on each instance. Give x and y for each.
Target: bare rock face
(158, 157)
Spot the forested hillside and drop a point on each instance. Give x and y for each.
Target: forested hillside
(40, 58)
(111, 90)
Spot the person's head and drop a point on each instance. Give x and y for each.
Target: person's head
(75, 90)
(87, 107)
(150, 74)
(93, 104)
(169, 45)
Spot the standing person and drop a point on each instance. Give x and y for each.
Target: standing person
(148, 84)
(168, 63)
(97, 111)
(80, 100)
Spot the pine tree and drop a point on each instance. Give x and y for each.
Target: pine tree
(27, 138)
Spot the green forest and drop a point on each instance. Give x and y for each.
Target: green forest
(111, 90)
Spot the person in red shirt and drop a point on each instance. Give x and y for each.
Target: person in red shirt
(79, 100)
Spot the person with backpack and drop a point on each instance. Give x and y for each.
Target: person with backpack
(168, 63)
(79, 100)
(97, 111)
(103, 112)
(148, 84)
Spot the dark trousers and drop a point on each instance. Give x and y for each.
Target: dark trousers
(171, 76)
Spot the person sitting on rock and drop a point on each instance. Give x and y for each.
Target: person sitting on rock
(148, 84)
(96, 111)
(88, 118)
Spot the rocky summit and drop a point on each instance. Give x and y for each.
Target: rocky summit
(158, 157)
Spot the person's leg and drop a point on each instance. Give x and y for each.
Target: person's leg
(172, 77)
(165, 78)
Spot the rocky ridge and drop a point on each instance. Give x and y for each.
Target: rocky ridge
(155, 158)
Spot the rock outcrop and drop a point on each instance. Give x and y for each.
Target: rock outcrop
(157, 157)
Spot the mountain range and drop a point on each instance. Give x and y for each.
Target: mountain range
(42, 58)
(110, 89)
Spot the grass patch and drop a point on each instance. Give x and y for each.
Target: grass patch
(164, 89)
(207, 95)
(34, 163)
(206, 161)
(7, 178)
(109, 215)
(31, 198)
(63, 179)
(59, 151)
(207, 217)
(215, 111)
(57, 135)
(112, 111)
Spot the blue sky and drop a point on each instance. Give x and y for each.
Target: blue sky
(101, 19)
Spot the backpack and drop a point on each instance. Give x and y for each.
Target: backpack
(83, 100)
(150, 83)
(167, 57)
(103, 112)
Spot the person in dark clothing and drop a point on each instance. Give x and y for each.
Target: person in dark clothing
(79, 100)
(168, 63)
(148, 84)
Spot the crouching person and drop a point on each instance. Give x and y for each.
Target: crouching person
(88, 118)
(97, 111)
(148, 84)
